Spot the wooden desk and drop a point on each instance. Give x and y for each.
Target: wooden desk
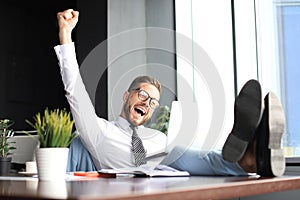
(145, 188)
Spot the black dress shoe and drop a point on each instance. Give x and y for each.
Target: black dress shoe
(270, 158)
(247, 116)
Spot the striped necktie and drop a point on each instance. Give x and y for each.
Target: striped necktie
(138, 151)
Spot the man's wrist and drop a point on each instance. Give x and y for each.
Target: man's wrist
(65, 36)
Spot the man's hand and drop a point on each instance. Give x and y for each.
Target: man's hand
(67, 21)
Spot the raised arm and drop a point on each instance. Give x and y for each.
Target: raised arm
(67, 21)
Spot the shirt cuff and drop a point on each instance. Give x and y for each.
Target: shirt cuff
(65, 51)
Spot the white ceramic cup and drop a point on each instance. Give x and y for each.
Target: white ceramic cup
(31, 167)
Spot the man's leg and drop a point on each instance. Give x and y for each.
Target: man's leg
(79, 158)
(208, 164)
(239, 155)
(266, 149)
(260, 152)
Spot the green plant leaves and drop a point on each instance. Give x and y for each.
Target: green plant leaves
(162, 120)
(5, 133)
(6, 123)
(54, 128)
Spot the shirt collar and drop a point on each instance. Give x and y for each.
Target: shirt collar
(124, 124)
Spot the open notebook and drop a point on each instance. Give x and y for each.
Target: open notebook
(144, 171)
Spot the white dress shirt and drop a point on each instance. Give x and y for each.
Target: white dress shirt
(109, 143)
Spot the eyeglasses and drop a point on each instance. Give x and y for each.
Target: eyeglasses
(144, 96)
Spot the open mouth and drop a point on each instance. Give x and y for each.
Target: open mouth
(140, 111)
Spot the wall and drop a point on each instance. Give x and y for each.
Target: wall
(30, 79)
(91, 34)
(129, 47)
(29, 74)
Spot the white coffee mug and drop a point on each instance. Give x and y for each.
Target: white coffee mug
(31, 167)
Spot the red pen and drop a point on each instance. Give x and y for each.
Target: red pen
(87, 174)
(94, 174)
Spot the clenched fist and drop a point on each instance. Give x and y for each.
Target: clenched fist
(67, 20)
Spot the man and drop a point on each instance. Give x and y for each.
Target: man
(109, 143)
(112, 144)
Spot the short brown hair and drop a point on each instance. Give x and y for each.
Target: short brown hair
(135, 84)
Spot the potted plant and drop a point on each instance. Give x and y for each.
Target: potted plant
(55, 133)
(6, 146)
(162, 119)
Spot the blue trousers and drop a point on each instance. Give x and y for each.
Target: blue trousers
(202, 163)
(79, 158)
(179, 158)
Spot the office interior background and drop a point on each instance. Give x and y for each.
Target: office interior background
(243, 40)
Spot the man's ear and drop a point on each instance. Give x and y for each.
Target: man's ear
(125, 96)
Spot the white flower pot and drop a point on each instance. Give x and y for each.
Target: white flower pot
(52, 163)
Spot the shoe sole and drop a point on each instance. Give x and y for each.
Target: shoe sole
(276, 129)
(247, 115)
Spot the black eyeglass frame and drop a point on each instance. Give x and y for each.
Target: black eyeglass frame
(152, 106)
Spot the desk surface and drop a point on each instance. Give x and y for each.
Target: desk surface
(147, 188)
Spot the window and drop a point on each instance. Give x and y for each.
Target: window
(288, 16)
(207, 29)
(277, 33)
(245, 39)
